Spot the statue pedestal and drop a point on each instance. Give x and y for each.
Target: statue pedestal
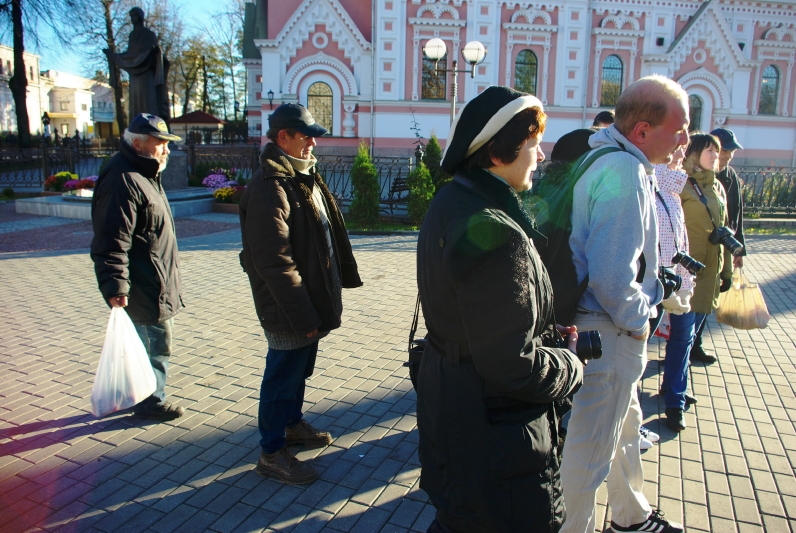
(175, 175)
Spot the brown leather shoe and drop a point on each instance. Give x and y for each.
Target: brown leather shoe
(284, 466)
(304, 433)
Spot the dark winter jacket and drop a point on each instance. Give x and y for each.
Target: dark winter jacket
(285, 252)
(135, 247)
(487, 387)
(732, 186)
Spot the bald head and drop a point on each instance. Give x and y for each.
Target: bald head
(648, 100)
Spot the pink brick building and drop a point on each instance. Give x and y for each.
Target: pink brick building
(359, 66)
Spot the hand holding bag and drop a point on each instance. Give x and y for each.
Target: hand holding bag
(742, 306)
(124, 375)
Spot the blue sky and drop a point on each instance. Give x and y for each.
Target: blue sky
(54, 57)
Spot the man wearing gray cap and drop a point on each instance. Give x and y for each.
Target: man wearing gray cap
(732, 186)
(298, 258)
(135, 248)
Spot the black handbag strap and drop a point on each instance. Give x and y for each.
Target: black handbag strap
(415, 321)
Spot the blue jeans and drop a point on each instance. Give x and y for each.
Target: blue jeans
(678, 347)
(282, 393)
(157, 342)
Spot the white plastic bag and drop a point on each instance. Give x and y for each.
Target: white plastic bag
(124, 375)
(742, 306)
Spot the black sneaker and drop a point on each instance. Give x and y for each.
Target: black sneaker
(698, 354)
(656, 523)
(159, 411)
(674, 421)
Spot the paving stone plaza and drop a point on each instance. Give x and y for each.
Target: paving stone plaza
(62, 469)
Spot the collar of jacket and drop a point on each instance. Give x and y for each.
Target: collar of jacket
(146, 166)
(276, 165)
(704, 178)
(501, 195)
(670, 180)
(610, 136)
(725, 177)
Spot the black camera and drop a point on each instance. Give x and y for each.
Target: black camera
(589, 344)
(671, 282)
(726, 237)
(687, 262)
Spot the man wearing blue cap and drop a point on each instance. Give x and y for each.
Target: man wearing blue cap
(732, 186)
(135, 247)
(298, 258)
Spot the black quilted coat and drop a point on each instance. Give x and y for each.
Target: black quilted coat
(487, 387)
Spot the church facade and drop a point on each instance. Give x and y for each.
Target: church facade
(358, 65)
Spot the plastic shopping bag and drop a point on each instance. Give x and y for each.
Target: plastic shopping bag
(663, 328)
(742, 306)
(124, 375)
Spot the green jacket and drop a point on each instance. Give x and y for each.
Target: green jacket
(717, 260)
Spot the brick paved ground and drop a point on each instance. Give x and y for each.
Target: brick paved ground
(62, 469)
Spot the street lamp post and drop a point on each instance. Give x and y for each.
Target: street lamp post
(473, 52)
(270, 98)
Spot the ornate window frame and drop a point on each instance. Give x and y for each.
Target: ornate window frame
(530, 35)
(447, 29)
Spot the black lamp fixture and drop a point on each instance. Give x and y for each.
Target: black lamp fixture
(271, 98)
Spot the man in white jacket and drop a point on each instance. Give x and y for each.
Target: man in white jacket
(614, 243)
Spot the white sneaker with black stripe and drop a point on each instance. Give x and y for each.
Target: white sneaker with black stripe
(649, 434)
(656, 523)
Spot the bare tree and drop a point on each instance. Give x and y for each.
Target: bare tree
(23, 17)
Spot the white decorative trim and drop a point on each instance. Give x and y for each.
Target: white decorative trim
(712, 82)
(437, 10)
(302, 23)
(788, 77)
(619, 22)
(754, 91)
(530, 15)
(320, 40)
(320, 62)
(415, 65)
(712, 27)
(700, 56)
(598, 52)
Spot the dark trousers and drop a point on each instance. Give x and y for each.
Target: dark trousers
(678, 348)
(157, 342)
(698, 339)
(282, 393)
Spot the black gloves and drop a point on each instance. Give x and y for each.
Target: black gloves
(725, 285)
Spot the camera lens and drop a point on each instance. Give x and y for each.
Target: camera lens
(688, 262)
(735, 247)
(589, 345)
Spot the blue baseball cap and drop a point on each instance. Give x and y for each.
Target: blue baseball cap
(146, 124)
(727, 139)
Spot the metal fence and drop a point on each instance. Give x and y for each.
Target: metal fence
(336, 171)
(26, 169)
(768, 191)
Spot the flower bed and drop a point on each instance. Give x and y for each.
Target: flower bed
(66, 181)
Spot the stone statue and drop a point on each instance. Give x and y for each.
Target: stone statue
(147, 67)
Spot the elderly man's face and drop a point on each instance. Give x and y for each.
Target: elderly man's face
(154, 148)
(725, 156)
(663, 139)
(298, 145)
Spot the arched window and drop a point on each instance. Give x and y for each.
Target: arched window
(525, 68)
(319, 104)
(769, 91)
(434, 83)
(612, 81)
(695, 112)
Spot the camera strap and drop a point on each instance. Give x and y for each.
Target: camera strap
(702, 199)
(671, 224)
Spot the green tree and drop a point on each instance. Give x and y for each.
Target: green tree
(433, 158)
(421, 192)
(365, 182)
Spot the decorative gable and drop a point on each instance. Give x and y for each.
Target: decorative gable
(710, 26)
(302, 24)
